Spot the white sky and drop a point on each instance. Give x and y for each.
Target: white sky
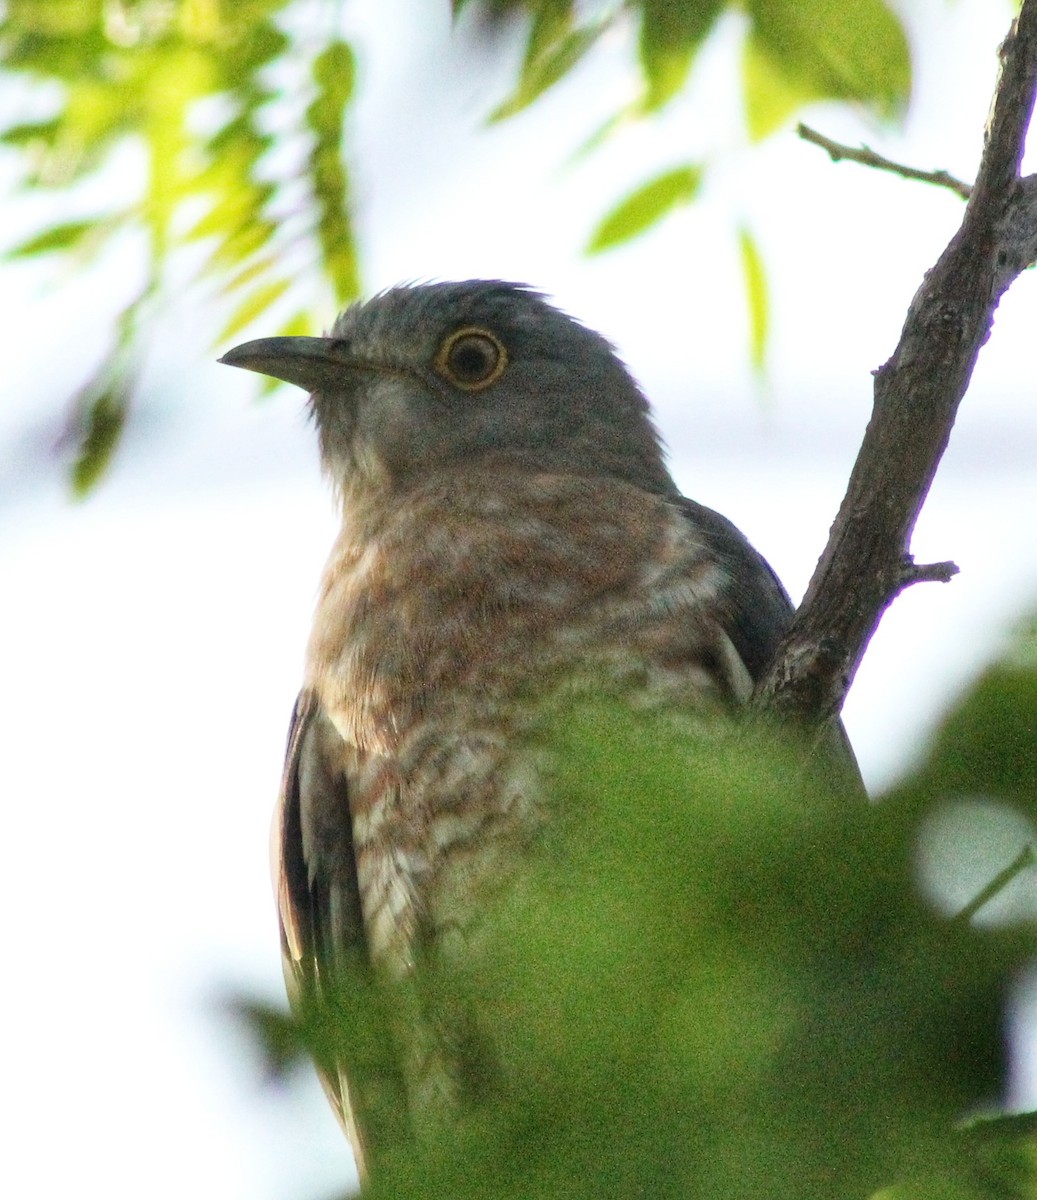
(152, 638)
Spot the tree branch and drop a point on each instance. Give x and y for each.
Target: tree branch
(868, 158)
(917, 393)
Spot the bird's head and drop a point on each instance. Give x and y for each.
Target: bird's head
(480, 373)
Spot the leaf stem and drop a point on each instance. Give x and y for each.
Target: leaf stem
(1025, 858)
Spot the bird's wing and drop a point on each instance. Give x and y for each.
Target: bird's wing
(757, 612)
(758, 607)
(318, 898)
(323, 943)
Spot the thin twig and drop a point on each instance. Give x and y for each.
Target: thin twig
(870, 158)
(1025, 858)
(917, 393)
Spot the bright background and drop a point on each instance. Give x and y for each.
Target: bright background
(152, 637)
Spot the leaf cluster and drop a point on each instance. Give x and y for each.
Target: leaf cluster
(257, 185)
(187, 88)
(721, 979)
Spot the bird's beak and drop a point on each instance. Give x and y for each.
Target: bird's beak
(312, 363)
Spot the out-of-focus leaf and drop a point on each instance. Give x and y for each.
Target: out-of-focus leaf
(546, 68)
(552, 21)
(68, 56)
(104, 417)
(755, 276)
(980, 776)
(604, 131)
(994, 1159)
(70, 17)
(252, 270)
(646, 206)
(771, 95)
(988, 744)
(236, 202)
(169, 86)
(239, 138)
(255, 43)
(277, 1034)
(334, 73)
(671, 33)
(253, 305)
(298, 325)
(185, 81)
(494, 11)
(57, 237)
(843, 51)
(30, 131)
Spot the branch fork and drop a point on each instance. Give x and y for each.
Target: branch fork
(867, 561)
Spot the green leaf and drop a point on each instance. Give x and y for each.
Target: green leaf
(245, 36)
(170, 80)
(299, 324)
(236, 204)
(57, 237)
(546, 69)
(671, 33)
(604, 131)
(334, 72)
(842, 51)
(552, 22)
(276, 1033)
(105, 418)
(253, 305)
(771, 95)
(155, 73)
(67, 57)
(646, 206)
(252, 270)
(29, 132)
(988, 745)
(755, 276)
(70, 18)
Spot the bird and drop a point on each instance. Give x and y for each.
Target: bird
(509, 525)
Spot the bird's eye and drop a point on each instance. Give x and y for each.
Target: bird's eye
(471, 359)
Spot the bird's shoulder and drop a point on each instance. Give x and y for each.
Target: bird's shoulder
(753, 605)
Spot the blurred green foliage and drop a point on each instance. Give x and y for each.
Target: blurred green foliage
(757, 295)
(646, 206)
(187, 84)
(190, 86)
(719, 979)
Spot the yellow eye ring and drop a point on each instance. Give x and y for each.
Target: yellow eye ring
(471, 358)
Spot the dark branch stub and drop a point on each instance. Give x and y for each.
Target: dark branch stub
(916, 397)
(939, 572)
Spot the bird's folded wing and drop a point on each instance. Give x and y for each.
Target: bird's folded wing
(757, 613)
(318, 901)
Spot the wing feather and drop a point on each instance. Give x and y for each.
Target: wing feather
(318, 897)
(758, 613)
